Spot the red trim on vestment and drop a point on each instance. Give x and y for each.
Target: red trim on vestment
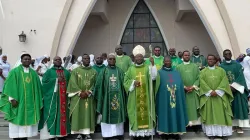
(63, 104)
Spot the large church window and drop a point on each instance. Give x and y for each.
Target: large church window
(142, 29)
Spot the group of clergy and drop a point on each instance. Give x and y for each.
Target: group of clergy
(163, 95)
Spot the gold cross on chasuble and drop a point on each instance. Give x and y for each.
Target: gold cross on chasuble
(113, 80)
(140, 77)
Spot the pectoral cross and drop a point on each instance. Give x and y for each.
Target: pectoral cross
(140, 77)
(113, 80)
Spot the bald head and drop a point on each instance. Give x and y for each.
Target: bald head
(172, 51)
(118, 50)
(196, 50)
(111, 60)
(57, 61)
(167, 62)
(99, 59)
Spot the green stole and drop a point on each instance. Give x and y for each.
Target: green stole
(141, 96)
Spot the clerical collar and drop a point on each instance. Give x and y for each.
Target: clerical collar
(168, 69)
(211, 68)
(196, 56)
(58, 68)
(186, 63)
(85, 66)
(26, 70)
(139, 64)
(157, 56)
(119, 55)
(99, 65)
(229, 61)
(112, 66)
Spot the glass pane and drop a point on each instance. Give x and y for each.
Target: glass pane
(145, 45)
(128, 36)
(156, 35)
(141, 20)
(128, 48)
(141, 7)
(152, 21)
(141, 35)
(130, 22)
(161, 45)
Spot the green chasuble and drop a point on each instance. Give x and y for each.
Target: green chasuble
(170, 103)
(123, 62)
(98, 68)
(139, 99)
(82, 111)
(200, 61)
(215, 110)
(25, 88)
(56, 103)
(158, 61)
(175, 61)
(190, 76)
(110, 95)
(234, 72)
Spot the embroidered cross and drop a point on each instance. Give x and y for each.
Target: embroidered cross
(170, 78)
(113, 80)
(212, 77)
(140, 77)
(86, 104)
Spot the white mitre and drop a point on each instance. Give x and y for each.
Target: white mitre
(139, 50)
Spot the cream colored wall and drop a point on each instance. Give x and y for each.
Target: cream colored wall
(97, 37)
(211, 18)
(77, 16)
(24, 15)
(236, 16)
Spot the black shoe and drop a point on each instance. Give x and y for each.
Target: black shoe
(211, 138)
(225, 138)
(177, 137)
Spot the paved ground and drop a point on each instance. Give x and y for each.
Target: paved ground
(4, 132)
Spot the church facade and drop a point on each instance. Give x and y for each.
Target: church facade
(63, 27)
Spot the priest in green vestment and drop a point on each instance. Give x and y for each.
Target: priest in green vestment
(21, 100)
(82, 103)
(175, 59)
(141, 104)
(122, 61)
(111, 100)
(215, 101)
(198, 59)
(99, 66)
(190, 76)
(170, 102)
(55, 120)
(158, 59)
(239, 89)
